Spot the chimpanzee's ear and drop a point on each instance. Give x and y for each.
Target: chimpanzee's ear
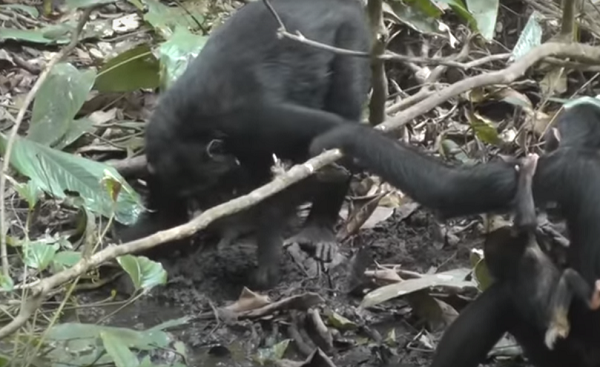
(216, 147)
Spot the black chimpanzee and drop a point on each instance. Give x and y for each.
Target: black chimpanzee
(248, 96)
(568, 175)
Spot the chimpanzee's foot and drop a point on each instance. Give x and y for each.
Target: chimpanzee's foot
(316, 239)
(266, 276)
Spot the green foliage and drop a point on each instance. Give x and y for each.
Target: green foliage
(144, 272)
(39, 255)
(424, 15)
(55, 172)
(530, 38)
(459, 8)
(176, 53)
(54, 34)
(28, 191)
(53, 113)
(165, 19)
(121, 355)
(6, 284)
(426, 7)
(65, 259)
(484, 130)
(485, 13)
(481, 273)
(133, 69)
(414, 18)
(273, 353)
(83, 344)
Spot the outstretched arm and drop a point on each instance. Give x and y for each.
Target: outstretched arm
(454, 191)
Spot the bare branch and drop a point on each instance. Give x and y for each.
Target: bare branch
(510, 74)
(447, 61)
(283, 32)
(40, 290)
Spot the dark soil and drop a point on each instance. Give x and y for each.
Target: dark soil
(207, 279)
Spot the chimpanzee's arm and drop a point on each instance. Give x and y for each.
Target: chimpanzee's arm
(277, 126)
(476, 330)
(525, 217)
(454, 191)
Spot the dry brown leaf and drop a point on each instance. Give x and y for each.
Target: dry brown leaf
(248, 301)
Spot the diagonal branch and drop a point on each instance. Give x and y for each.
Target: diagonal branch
(579, 51)
(39, 291)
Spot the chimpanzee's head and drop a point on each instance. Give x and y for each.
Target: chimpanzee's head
(184, 167)
(577, 125)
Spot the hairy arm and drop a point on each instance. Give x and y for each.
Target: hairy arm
(453, 191)
(479, 326)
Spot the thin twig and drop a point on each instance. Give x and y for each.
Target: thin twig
(275, 15)
(431, 82)
(504, 76)
(283, 32)
(391, 56)
(13, 133)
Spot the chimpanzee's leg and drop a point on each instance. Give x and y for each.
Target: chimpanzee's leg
(350, 83)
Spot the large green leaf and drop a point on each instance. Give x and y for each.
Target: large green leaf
(142, 340)
(58, 101)
(65, 259)
(176, 54)
(119, 351)
(165, 19)
(144, 272)
(49, 35)
(77, 129)
(88, 344)
(485, 13)
(54, 172)
(133, 69)
(39, 255)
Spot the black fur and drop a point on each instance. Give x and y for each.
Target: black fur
(569, 175)
(247, 96)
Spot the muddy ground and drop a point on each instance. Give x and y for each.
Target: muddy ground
(205, 279)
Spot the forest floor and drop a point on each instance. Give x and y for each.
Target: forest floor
(226, 324)
(209, 279)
